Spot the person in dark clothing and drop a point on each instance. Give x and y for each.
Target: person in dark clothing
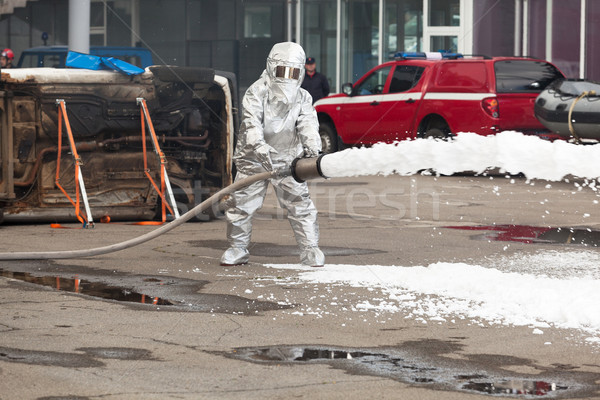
(314, 82)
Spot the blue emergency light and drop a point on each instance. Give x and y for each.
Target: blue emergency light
(421, 55)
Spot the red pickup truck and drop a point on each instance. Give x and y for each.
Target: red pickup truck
(436, 95)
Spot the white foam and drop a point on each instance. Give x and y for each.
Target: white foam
(512, 152)
(442, 291)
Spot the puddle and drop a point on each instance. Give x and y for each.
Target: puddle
(527, 388)
(49, 358)
(438, 373)
(86, 357)
(82, 286)
(534, 234)
(140, 292)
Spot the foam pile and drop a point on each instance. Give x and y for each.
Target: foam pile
(511, 152)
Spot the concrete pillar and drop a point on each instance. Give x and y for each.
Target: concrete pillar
(79, 25)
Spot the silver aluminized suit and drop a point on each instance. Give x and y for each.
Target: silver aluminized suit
(278, 125)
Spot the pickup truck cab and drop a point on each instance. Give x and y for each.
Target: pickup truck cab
(55, 56)
(439, 95)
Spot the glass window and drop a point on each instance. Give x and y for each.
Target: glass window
(537, 29)
(566, 24)
(360, 38)
(118, 23)
(161, 28)
(96, 39)
(444, 12)
(373, 84)
(523, 76)
(41, 21)
(404, 23)
(257, 21)
(311, 15)
(206, 21)
(444, 43)
(405, 77)
(413, 30)
(97, 14)
(29, 61)
(19, 29)
(43, 60)
(53, 61)
(319, 35)
(61, 27)
(501, 18)
(46, 17)
(593, 46)
(199, 53)
(225, 21)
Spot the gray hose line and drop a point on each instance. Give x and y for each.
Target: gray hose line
(45, 255)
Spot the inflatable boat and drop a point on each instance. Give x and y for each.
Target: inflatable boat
(570, 108)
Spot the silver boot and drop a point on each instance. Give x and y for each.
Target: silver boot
(235, 256)
(312, 257)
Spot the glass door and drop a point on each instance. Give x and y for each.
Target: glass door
(98, 23)
(360, 38)
(445, 26)
(113, 23)
(319, 22)
(403, 27)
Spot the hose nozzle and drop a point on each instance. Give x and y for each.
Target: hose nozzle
(303, 169)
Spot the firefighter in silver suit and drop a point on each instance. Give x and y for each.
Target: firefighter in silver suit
(279, 124)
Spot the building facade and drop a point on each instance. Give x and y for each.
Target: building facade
(347, 37)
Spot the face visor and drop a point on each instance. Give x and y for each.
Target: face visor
(287, 72)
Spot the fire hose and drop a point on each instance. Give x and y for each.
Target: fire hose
(301, 170)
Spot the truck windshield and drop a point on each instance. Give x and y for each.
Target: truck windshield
(35, 60)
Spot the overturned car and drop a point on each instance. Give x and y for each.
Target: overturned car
(193, 114)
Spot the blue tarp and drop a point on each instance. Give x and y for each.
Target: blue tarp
(88, 61)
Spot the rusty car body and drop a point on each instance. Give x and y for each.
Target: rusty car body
(193, 113)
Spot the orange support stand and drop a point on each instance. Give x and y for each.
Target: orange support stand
(164, 178)
(86, 221)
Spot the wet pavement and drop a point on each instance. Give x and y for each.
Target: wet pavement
(157, 292)
(164, 320)
(586, 237)
(87, 357)
(407, 365)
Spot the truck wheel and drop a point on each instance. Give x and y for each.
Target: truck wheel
(435, 133)
(435, 128)
(329, 138)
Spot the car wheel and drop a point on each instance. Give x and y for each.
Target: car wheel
(435, 133)
(329, 139)
(435, 128)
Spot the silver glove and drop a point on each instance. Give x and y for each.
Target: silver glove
(308, 152)
(263, 155)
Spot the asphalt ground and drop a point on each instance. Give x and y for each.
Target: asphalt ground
(234, 333)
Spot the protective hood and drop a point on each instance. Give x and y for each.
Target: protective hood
(285, 72)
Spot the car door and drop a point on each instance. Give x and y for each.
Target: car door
(399, 103)
(364, 108)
